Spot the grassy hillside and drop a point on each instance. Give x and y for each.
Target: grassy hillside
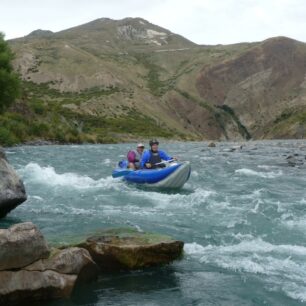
(48, 114)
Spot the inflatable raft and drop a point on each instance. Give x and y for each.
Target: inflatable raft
(174, 175)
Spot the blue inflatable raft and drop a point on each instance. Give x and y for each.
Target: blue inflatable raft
(174, 175)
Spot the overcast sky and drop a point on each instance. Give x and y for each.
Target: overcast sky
(202, 21)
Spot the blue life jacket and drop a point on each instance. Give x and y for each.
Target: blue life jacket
(155, 159)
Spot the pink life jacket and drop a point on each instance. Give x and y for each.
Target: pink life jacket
(131, 156)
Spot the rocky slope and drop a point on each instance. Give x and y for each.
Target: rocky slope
(116, 70)
(263, 86)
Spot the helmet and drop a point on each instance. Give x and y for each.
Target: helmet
(153, 142)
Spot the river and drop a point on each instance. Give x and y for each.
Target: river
(242, 216)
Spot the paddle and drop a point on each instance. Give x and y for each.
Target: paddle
(165, 161)
(121, 173)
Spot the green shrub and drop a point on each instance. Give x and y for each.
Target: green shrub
(39, 129)
(38, 107)
(7, 138)
(19, 129)
(105, 139)
(9, 81)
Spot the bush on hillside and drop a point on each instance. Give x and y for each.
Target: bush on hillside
(9, 81)
(7, 138)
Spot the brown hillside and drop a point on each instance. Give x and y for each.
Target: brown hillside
(237, 91)
(260, 84)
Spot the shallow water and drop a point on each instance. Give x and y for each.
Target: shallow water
(242, 215)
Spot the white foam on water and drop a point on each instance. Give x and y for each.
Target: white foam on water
(253, 250)
(294, 291)
(303, 201)
(35, 197)
(44, 210)
(107, 161)
(256, 208)
(213, 205)
(254, 195)
(154, 197)
(281, 265)
(287, 216)
(266, 167)
(233, 223)
(195, 173)
(205, 158)
(106, 210)
(296, 224)
(82, 211)
(193, 248)
(137, 227)
(240, 236)
(59, 209)
(250, 172)
(34, 173)
(163, 200)
(260, 246)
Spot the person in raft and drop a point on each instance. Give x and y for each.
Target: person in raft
(134, 157)
(152, 157)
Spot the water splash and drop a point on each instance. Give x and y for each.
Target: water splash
(34, 173)
(257, 256)
(250, 172)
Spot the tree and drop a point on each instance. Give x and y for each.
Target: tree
(9, 81)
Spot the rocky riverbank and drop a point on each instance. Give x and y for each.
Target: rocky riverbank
(12, 191)
(32, 271)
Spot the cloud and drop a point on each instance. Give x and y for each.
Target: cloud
(202, 21)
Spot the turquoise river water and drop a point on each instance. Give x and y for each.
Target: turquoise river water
(242, 216)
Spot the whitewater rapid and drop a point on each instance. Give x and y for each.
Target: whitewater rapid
(242, 216)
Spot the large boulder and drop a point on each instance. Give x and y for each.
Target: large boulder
(129, 249)
(68, 261)
(21, 287)
(30, 272)
(12, 191)
(21, 245)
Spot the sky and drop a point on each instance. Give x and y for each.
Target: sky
(201, 21)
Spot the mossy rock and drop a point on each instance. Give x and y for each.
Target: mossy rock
(128, 249)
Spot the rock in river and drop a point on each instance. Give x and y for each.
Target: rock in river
(22, 287)
(117, 249)
(296, 160)
(68, 261)
(21, 245)
(12, 191)
(30, 272)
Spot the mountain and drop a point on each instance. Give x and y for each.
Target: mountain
(114, 79)
(265, 87)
